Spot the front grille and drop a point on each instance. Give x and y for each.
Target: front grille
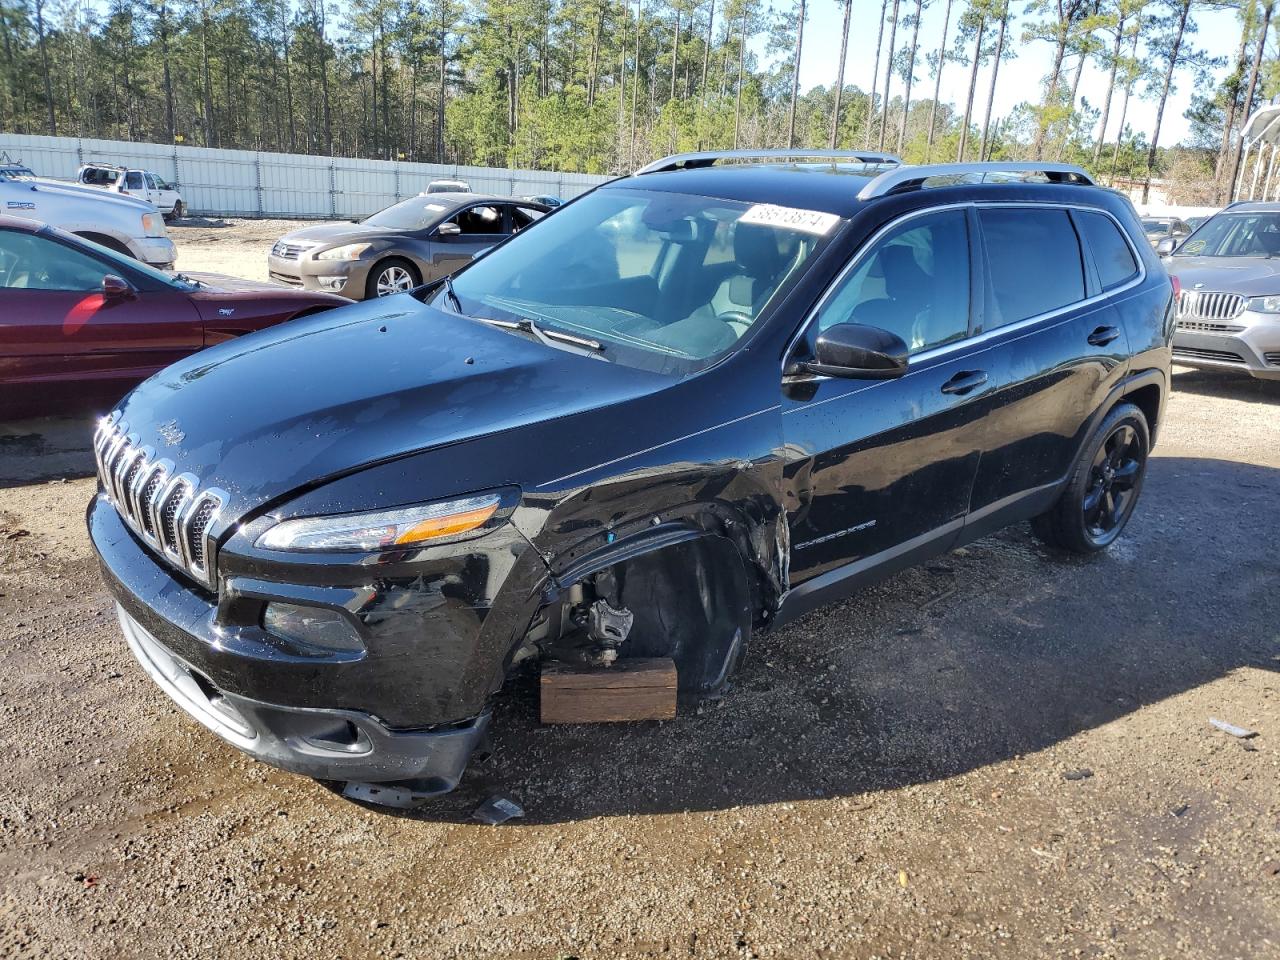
(1204, 326)
(286, 278)
(1194, 353)
(1272, 358)
(290, 251)
(169, 512)
(1210, 306)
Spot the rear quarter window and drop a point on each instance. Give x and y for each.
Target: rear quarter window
(1034, 260)
(1111, 253)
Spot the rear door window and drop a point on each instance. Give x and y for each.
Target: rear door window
(1111, 254)
(522, 217)
(1034, 261)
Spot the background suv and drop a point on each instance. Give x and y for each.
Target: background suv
(693, 404)
(1229, 304)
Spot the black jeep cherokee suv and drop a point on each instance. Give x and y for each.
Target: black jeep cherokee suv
(694, 403)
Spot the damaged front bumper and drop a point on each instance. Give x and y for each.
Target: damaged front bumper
(326, 744)
(412, 708)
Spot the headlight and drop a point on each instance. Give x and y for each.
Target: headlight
(1265, 304)
(153, 225)
(383, 529)
(350, 251)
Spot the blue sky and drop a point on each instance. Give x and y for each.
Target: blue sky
(1020, 79)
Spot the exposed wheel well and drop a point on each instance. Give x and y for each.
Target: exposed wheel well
(102, 239)
(690, 601)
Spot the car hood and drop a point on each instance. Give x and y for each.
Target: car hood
(1250, 276)
(266, 414)
(98, 194)
(217, 283)
(329, 233)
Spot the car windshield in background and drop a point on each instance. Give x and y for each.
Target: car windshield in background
(1155, 228)
(1235, 235)
(662, 281)
(416, 213)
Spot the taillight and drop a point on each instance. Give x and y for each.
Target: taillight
(1177, 286)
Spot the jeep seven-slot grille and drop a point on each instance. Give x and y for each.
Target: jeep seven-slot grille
(168, 511)
(1210, 306)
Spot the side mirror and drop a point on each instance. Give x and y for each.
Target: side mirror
(1166, 246)
(448, 229)
(116, 288)
(857, 351)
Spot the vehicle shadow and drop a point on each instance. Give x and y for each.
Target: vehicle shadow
(1225, 384)
(46, 448)
(990, 652)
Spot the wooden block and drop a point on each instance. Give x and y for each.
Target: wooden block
(628, 690)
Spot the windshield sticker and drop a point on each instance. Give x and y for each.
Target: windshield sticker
(789, 218)
(1195, 246)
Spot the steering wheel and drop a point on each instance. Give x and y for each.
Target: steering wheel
(739, 320)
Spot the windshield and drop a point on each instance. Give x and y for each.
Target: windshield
(1235, 235)
(416, 213)
(1155, 227)
(664, 281)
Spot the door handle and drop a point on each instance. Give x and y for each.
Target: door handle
(1103, 335)
(965, 381)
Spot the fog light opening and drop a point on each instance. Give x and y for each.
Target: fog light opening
(314, 629)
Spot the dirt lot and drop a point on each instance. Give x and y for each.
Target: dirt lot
(899, 775)
(237, 248)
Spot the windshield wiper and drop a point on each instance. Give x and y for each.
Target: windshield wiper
(453, 297)
(185, 279)
(545, 334)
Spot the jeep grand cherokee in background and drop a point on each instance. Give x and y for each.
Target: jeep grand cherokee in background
(692, 405)
(1229, 304)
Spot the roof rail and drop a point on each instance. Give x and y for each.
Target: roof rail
(908, 177)
(707, 158)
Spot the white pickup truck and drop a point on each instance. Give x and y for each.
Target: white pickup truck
(118, 222)
(142, 184)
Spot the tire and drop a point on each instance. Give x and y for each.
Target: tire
(1104, 486)
(393, 275)
(176, 213)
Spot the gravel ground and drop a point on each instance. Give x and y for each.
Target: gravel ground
(1003, 753)
(237, 248)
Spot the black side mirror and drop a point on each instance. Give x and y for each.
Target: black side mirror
(116, 288)
(855, 350)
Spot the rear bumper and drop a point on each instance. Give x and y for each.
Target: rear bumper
(325, 744)
(1253, 347)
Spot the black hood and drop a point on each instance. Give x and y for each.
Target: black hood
(294, 405)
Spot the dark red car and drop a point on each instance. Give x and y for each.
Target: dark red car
(80, 325)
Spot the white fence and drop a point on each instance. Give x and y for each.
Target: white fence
(245, 183)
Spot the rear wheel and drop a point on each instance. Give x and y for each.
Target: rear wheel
(177, 212)
(391, 276)
(1104, 487)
